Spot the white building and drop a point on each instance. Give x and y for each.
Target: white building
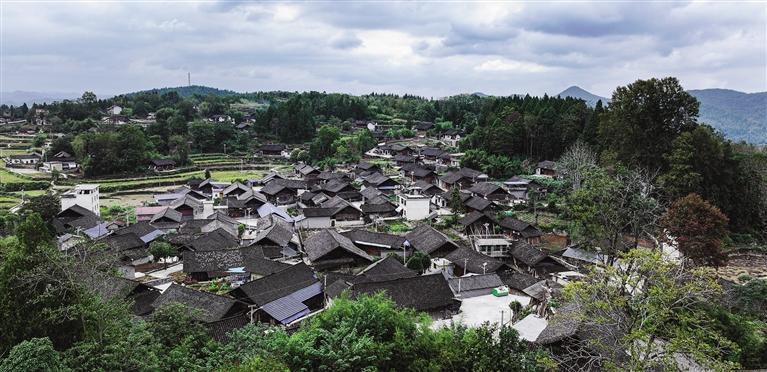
(85, 195)
(416, 205)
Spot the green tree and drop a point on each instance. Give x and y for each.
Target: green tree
(162, 251)
(46, 205)
(456, 202)
(34, 355)
(419, 262)
(644, 118)
(322, 146)
(653, 309)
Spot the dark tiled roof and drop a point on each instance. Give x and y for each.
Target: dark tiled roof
(385, 207)
(547, 164)
(484, 188)
(123, 242)
(211, 307)
(478, 203)
(328, 240)
(389, 268)
(360, 236)
(319, 212)
(251, 259)
(427, 239)
(527, 230)
(563, 324)
(474, 261)
(272, 147)
(526, 253)
(423, 293)
(215, 240)
(370, 192)
(475, 282)
(140, 229)
(473, 217)
(517, 280)
(163, 162)
(275, 286)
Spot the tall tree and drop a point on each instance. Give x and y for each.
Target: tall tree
(699, 230)
(644, 118)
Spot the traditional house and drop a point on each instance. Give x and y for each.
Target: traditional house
(416, 172)
(429, 241)
(283, 192)
(189, 207)
(204, 307)
(215, 240)
(108, 287)
(534, 261)
(167, 220)
(478, 204)
(462, 178)
(379, 208)
(428, 188)
(282, 297)
(402, 159)
(377, 244)
(146, 232)
(365, 167)
(207, 265)
(307, 172)
(161, 164)
(383, 183)
(452, 137)
(274, 149)
(278, 233)
(522, 188)
(427, 293)
(423, 126)
(476, 222)
(387, 268)
(489, 191)
(236, 189)
(128, 248)
(431, 154)
(246, 204)
(466, 260)
(518, 229)
(334, 187)
(546, 168)
(329, 250)
(474, 285)
(22, 160)
(61, 161)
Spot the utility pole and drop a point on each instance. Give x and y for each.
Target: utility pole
(189, 79)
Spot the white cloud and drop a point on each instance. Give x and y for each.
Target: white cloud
(508, 65)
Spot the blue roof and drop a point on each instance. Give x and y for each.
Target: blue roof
(152, 236)
(291, 307)
(98, 230)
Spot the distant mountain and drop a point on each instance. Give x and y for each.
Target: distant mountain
(739, 115)
(578, 92)
(189, 91)
(18, 97)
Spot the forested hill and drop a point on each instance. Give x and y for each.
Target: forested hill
(189, 91)
(741, 116)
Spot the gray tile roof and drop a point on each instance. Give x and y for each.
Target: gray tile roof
(328, 240)
(427, 239)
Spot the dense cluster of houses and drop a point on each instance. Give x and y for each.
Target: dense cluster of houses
(282, 247)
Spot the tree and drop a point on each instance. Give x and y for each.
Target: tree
(644, 118)
(456, 202)
(34, 355)
(699, 230)
(322, 146)
(576, 163)
(419, 262)
(162, 250)
(179, 148)
(609, 208)
(46, 205)
(642, 314)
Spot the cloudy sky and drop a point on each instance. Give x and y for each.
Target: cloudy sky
(431, 49)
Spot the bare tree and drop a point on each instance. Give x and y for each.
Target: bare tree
(644, 314)
(576, 163)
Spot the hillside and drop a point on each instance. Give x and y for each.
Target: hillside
(741, 116)
(578, 92)
(189, 91)
(18, 97)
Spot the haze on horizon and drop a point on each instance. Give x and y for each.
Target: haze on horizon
(429, 49)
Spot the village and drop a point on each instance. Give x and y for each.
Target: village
(405, 220)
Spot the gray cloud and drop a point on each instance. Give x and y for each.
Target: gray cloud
(359, 47)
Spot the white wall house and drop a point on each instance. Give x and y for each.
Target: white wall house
(85, 195)
(416, 206)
